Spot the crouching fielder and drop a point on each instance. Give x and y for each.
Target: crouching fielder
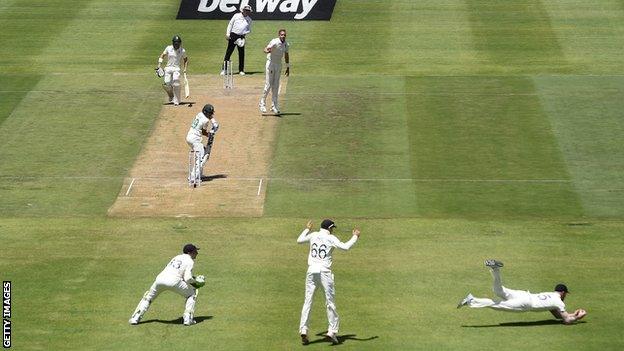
(522, 301)
(174, 54)
(204, 123)
(322, 244)
(177, 277)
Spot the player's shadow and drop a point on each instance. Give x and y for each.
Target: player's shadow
(519, 324)
(182, 103)
(209, 178)
(179, 320)
(341, 338)
(281, 114)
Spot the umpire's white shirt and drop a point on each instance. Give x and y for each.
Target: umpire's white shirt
(174, 57)
(179, 268)
(239, 24)
(277, 50)
(322, 244)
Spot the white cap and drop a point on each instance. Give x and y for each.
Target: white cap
(247, 7)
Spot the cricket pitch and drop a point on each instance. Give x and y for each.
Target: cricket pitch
(236, 173)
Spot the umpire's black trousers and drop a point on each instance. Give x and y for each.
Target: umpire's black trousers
(230, 50)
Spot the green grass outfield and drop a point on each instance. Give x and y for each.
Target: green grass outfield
(449, 131)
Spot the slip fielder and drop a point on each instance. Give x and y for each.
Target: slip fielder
(322, 244)
(521, 300)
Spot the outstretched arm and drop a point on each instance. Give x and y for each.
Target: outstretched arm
(346, 246)
(569, 318)
(303, 237)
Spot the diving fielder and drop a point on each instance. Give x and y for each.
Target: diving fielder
(322, 244)
(521, 300)
(177, 277)
(204, 123)
(275, 50)
(174, 53)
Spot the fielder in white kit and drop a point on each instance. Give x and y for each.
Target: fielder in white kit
(275, 50)
(175, 54)
(177, 277)
(322, 244)
(204, 123)
(522, 301)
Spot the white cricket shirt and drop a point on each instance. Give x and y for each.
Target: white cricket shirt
(239, 24)
(322, 244)
(201, 122)
(277, 50)
(180, 266)
(547, 301)
(174, 57)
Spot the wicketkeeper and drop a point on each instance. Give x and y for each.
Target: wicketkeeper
(174, 53)
(177, 277)
(204, 123)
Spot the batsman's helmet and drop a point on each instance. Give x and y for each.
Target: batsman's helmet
(208, 109)
(176, 39)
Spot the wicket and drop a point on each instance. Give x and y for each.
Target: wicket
(228, 77)
(194, 169)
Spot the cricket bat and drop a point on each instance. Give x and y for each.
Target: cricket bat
(187, 90)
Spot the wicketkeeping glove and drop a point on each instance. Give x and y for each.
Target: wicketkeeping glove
(160, 72)
(200, 281)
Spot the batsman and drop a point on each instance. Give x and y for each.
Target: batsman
(175, 54)
(204, 124)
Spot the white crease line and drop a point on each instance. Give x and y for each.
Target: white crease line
(259, 187)
(130, 187)
(458, 180)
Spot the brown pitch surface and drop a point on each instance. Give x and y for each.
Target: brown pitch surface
(157, 184)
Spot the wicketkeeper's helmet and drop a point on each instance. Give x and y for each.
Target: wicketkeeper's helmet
(208, 110)
(176, 39)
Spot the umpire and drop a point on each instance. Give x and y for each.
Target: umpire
(239, 26)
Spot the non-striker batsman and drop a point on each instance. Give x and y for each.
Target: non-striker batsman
(175, 55)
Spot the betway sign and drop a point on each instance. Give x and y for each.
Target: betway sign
(262, 9)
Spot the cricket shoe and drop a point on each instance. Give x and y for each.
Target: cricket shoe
(133, 321)
(275, 110)
(304, 339)
(334, 338)
(465, 301)
(188, 321)
(222, 73)
(493, 263)
(242, 73)
(263, 109)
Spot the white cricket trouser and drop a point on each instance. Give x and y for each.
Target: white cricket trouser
(512, 300)
(172, 81)
(272, 82)
(326, 279)
(195, 143)
(166, 282)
